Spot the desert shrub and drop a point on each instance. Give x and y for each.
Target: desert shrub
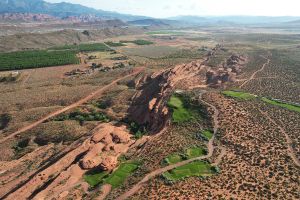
(4, 120)
(138, 130)
(83, 116)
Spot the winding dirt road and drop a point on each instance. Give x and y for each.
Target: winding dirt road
(254, 74)
(74, 105)
(154, 173)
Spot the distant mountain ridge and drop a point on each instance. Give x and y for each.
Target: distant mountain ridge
(234, 19)
(61, 10)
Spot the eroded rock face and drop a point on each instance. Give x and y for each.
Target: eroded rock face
(149, 103)
(106, 145)
(109, 163)
(227, 73)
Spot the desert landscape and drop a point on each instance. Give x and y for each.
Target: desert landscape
(112, 106)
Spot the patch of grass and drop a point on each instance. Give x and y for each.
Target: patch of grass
(197, 168)
(119, 176)
(248, 96)
(281, 104)
(181, 113)
(114, 44)
(195, 152)
(239, 95)
(207, 134)
(172, 159)
(95, 177)
(189, 153)
(138, 42)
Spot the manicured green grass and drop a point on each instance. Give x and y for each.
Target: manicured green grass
(280, 104)
(195, 152)
(197, 168)
(189, 153)
(239, 95)
(180, 112)
(247, 96)
(207, 134)
(172, 159)
(95, 178)
(118, 176)
(35, 59)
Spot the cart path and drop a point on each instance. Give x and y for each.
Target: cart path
(154, 173)
(74, 105)
(257, 71)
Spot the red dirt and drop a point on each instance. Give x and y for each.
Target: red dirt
(74, 105)
(154, 173)
(257, 71)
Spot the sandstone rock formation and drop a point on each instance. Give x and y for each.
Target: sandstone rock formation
(107, 144)
(149, 103)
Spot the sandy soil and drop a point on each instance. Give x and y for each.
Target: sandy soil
(154, 173)
(74, 105)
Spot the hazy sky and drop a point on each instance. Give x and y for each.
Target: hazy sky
(167, 8)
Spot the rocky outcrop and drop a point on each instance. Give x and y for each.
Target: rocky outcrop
(106, 145)
(149, 103)
(227, 73)
(100, 150)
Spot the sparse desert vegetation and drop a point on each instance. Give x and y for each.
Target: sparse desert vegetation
(198, 112)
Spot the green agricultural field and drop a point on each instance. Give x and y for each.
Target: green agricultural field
(207, 134)
(283, 105)
(118, 177)
(197, 168)
(195, 152)
(83, 47)
(95, 178)
(35, 59)
(137, 42)
(239, 95)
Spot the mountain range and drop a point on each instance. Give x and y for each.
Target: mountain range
(66, 10)
(61, 10)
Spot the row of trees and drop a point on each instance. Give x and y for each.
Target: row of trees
(36, 59)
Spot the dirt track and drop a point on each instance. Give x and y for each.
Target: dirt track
(74, 105)
(152, 174)
(254, 74)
